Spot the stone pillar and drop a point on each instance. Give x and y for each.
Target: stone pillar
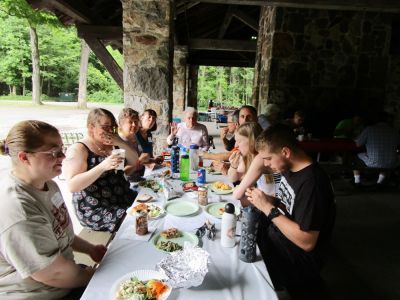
(263, 57)
(192, 85)
(179, 87)
(148, 61)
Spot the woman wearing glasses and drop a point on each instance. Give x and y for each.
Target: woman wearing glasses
(100, 193)
(36, 234)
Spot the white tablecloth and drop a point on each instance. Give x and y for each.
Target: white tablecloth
(228, 278)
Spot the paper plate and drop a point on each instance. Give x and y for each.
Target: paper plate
(214, 209)
(181, 208)
(141, 275)
(152, 208)
(186, 237)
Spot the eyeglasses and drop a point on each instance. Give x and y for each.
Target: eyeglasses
(54, 153)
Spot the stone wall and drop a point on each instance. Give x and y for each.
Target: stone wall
(326, 62)
(179, 77)
(148, 61)
(392, 103)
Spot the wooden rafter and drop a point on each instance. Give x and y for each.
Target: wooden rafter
(246, 19)
(223, 45)
(222, 62)
(365, 5)
(185, 7)
(100, 32)
(227, 21)
(106, 59)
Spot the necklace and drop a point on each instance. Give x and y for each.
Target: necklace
(101, 150)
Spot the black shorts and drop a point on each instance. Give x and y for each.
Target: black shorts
(358, 163)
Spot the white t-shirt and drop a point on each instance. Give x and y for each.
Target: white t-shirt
(35, 228)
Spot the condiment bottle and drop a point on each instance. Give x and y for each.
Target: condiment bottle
(141, 222)
(228, 226)
(202, 193)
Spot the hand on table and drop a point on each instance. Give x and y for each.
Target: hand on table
(97, 252)
(144, 158)
(259, 199)
(220, 166)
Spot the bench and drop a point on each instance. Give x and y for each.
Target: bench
(96, 238)
(70, 138)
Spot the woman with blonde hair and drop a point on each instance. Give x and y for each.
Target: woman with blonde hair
(36, 234)
(240, 160)
(100, 192)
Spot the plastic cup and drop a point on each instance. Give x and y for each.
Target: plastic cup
(121, 153)
(300, 137)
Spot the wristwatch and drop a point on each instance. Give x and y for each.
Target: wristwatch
(273, 213)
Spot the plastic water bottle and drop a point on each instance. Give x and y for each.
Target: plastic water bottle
(184, 167)
(228, 226)
(248, 235)
(194, 157)
(174, 159)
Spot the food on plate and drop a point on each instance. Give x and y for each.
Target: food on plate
(134, 288)
(152, 184)
(166, 164)
(221, 210)
(171, 233)
(219, 185)
(153, 211)
(189, 187)
(141, 206)
(144, 198)
(168, 246)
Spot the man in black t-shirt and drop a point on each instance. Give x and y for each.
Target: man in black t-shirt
(296, 225)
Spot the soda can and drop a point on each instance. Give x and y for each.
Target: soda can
(201, 176)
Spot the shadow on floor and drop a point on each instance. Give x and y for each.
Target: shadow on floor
(365, 257)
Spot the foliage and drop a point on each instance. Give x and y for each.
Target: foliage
(60, 58)
(228, 86)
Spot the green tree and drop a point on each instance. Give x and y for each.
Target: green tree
(22, 10)
(14, 51)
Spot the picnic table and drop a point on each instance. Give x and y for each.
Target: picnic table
(228, 277)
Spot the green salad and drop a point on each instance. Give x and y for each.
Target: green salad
(168, 246)
(135, 289)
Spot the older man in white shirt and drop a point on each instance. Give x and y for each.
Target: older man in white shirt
(189, 132)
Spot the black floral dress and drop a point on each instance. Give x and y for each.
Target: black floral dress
(102, 205)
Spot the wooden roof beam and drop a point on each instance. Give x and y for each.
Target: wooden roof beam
(107, 60)
(223, 45)
(246, 19)
(186, 6)
(222, 62)
(365, 5)
(100, 32)
(62, 6)
(226, 22)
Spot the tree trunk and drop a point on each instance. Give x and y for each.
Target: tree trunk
(13, 90)
(23, 86)
(35, 67)
(48, 87)
(83, 70)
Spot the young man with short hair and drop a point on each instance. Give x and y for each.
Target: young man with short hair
(296, 226)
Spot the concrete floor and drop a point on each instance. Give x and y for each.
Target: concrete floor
(365, 258)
